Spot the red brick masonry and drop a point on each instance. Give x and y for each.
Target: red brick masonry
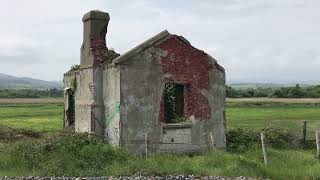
(99, 50)
(190, 67)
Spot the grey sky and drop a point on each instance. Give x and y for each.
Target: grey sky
(255, 40)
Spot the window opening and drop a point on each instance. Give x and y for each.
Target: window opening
(174, 103)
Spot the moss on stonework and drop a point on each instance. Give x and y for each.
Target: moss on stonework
(75, 67)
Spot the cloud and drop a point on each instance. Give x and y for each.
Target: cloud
(11, 45)
(259, 40)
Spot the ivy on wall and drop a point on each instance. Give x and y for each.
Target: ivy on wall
(71, 99)
(170, 104)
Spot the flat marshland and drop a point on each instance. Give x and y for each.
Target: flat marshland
(60, 154)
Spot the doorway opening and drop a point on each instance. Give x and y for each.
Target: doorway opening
(69, 109)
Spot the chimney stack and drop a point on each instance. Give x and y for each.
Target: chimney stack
(94, 50)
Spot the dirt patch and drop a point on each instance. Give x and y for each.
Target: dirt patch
(8, 134)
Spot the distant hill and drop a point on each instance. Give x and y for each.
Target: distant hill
(7, 81)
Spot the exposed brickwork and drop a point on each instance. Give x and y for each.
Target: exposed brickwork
(99, 50)
(188, 66)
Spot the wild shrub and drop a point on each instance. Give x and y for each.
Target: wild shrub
(240, 139)
(277, 92)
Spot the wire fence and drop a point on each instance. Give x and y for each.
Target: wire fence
(295, 127)
(305, 129)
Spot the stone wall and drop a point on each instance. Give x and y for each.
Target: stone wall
(141, 82)
(84, 98)
(111, 100)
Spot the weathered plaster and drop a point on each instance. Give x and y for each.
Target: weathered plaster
(142, 84)
(111, 98)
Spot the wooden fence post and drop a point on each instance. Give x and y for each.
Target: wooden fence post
(146, 144)
(318, 143)
(264, 147)
(207, 139)
(303, 132)
(211, 139)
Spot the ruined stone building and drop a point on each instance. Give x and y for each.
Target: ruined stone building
(164, 94)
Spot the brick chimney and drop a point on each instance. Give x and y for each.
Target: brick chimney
(94, 50)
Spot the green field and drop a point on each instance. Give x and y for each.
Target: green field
(48, 117)
(39, 117)
(285, 115)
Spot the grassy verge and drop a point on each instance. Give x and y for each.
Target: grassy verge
(83, 155)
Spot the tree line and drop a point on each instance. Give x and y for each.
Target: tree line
(30, 93)
(284, 92)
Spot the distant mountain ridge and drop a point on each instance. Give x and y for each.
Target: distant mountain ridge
(13, 82)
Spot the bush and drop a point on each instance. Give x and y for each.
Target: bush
(239, 140)
(283, 92)
(30, 93)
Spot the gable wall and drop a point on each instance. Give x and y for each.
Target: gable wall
(142, 82)
(205, 96)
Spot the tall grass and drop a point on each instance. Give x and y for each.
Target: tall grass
(84, 155)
